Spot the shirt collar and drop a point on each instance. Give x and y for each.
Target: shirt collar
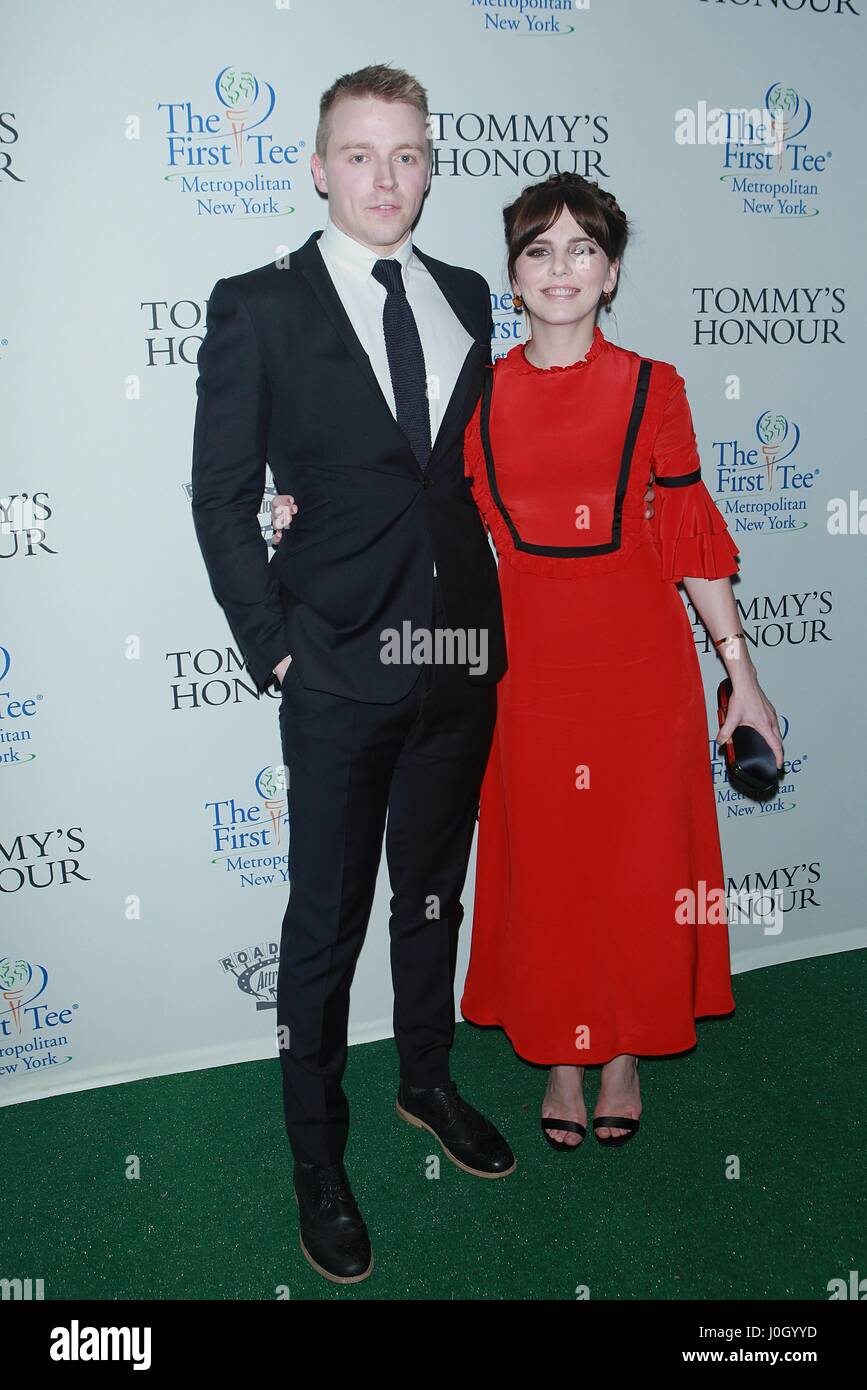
(357, 259)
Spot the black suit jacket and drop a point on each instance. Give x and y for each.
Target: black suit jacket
(283, 377)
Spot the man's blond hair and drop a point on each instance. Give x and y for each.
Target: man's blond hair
(378, 80)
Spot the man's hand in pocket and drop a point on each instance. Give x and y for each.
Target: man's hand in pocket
(282, 667)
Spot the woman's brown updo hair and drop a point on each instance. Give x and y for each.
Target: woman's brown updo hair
(539, 205)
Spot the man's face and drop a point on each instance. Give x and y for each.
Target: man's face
(376, 170)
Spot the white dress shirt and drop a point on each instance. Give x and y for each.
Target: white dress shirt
(444, 340)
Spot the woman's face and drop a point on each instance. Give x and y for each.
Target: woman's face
(562, 275)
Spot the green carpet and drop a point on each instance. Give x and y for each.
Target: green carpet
(779, 1085)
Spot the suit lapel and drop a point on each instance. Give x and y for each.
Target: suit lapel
(315, 271)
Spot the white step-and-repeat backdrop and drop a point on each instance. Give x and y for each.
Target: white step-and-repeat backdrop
(146, 151)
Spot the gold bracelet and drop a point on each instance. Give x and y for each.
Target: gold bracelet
(731, 638)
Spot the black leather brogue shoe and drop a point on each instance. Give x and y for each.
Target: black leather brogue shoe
(467, 1138)
(333, 1232)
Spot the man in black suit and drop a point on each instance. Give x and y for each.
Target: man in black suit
(353, 367)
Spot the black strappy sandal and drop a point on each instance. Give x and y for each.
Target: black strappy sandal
(616, 1122)
(573, 1126)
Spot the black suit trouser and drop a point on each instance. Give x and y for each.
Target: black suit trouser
(417, 763)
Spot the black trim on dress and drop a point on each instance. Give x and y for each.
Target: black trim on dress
(679, 479)
(635, 417)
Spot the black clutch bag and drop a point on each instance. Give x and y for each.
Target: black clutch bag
(750, 762)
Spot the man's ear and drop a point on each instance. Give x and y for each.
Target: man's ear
(320, 178)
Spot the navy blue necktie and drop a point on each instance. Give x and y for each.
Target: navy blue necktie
(405, 360)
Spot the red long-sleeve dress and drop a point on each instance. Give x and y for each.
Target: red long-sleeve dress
(597, 805)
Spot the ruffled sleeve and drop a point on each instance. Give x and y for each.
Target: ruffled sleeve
(694, 540)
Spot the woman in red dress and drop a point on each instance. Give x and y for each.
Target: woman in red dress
(597, 807)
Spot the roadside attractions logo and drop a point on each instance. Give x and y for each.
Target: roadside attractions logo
(226, 157)
(254, 969)
(763, 484)
(247, 837)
